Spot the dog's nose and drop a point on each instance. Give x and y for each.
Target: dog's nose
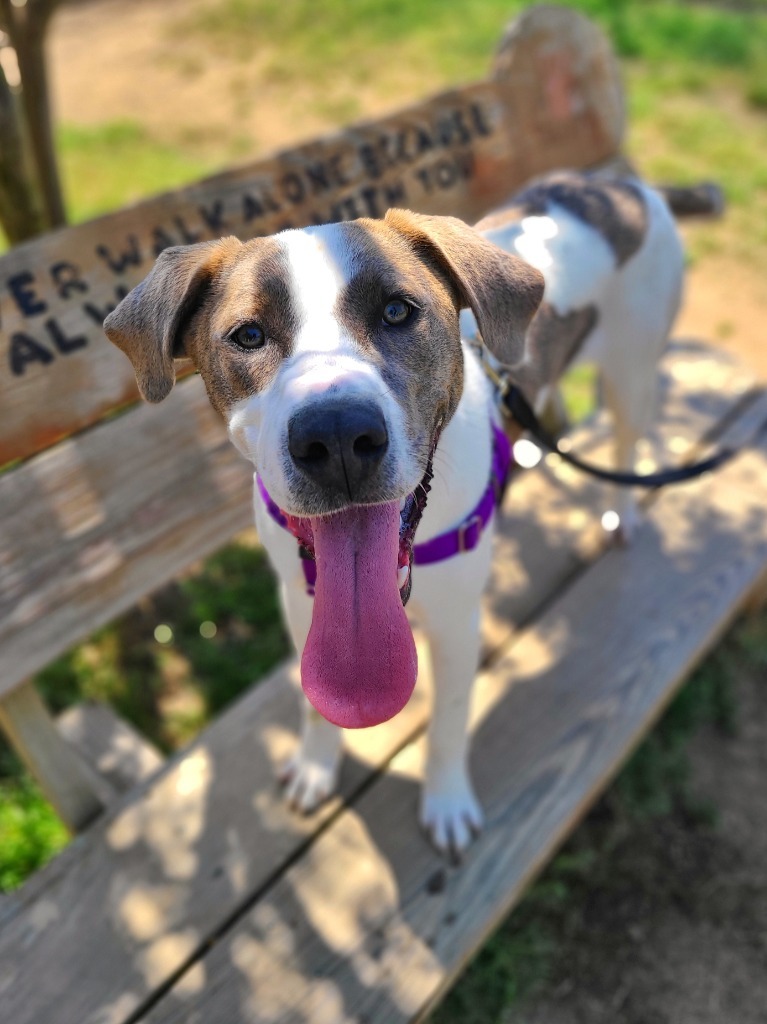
(339, 444)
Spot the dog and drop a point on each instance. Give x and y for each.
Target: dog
(334, 354)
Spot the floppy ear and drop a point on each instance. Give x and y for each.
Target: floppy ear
(148, 324)
(503, 291)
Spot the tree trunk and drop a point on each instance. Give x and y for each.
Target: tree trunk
(26, 26)
(20, 213)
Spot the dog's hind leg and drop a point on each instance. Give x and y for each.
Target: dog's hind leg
(630, 388)
(311, 773)
(633, 411)
(637, 316)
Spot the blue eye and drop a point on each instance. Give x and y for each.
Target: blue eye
(249, 336)
(396, 312)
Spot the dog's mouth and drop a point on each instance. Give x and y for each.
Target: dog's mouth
(359, 664)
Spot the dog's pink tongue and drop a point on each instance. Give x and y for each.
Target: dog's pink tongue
(359, 664)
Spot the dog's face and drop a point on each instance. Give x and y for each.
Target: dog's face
(332, 352)
(367, 366)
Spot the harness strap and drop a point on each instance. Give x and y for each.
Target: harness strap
(464, 537)
(467, 535)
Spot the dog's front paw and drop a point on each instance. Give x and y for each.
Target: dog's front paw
(308, 783)
(309, 780)
(451, 815)
(311, 774)
(622, 527)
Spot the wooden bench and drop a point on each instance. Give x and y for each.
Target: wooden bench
(194, 894)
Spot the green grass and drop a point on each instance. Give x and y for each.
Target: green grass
(118, 163)
(687, 135)
(30, 832)
(107, 166)
(456, 36)
(579, 391)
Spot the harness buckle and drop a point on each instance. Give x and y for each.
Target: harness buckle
(467, 541)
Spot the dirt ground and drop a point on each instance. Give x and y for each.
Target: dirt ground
(678, 933)
(111, 60)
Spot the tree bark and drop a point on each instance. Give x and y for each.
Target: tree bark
(26, 27)
(20, 212)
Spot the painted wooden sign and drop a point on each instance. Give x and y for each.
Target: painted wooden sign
(553, 99)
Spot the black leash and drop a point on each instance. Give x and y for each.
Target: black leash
(516, 406)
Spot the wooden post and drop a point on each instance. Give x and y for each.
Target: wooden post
(64, 778)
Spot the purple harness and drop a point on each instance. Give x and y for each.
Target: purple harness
(464, 537)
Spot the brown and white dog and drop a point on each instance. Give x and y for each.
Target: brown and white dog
(335, 355)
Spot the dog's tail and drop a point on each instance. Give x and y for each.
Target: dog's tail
(704, 200)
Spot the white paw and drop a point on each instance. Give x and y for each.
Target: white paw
(451, 815)
(308, 781)
(622, 529)
(627, 531)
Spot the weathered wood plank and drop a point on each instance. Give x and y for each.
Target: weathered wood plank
(103, 519)
(112, 748)
(98, 522)
(554, 100)
(163, 871)
(67, 781)
(370, 924)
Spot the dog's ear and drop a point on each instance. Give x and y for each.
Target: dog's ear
(503, 291)
(148, 325)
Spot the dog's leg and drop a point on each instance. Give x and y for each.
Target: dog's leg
(450, 812)
(551, 410)
(632, 410)
(311, 774)
(638, 311)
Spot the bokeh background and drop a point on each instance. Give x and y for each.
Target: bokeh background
(657, 909)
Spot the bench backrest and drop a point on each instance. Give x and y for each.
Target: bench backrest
(92, 519)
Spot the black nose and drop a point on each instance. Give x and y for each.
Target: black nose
(339, 444)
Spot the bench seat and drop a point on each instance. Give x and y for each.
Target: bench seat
(198, 897)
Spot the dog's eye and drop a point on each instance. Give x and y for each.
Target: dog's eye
(396, 312)
(249, 336)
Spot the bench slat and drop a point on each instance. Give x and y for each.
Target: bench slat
(370, 924)
(165, 869)
(554, 100)
(95, 524)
